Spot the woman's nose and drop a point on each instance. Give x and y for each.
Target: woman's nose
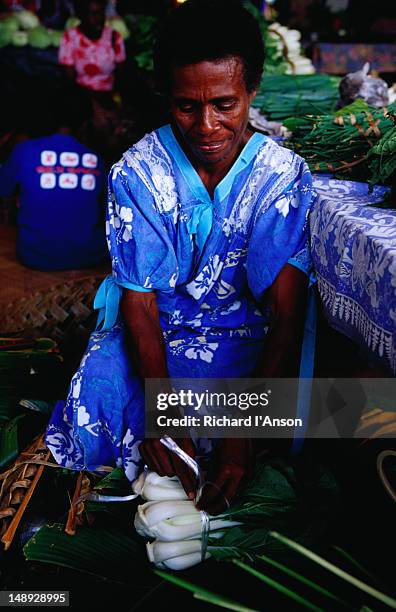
(207, 121)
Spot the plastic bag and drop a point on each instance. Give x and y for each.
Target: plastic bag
(361, 85)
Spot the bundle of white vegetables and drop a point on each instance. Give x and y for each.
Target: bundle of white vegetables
(289, 42)
(175, 528)
(173, 521)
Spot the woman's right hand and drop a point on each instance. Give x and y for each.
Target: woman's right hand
(166, 463)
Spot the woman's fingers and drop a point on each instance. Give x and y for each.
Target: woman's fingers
(187, 445)
(156, 457)
(219, 492)
(212, 500)
(149, 460)
(166, 463)
(232, 462)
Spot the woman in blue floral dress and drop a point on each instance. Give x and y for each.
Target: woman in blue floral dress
(208, 235)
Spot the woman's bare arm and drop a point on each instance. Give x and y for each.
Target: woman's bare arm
(140, 313)
(287, 298)
(141, 316)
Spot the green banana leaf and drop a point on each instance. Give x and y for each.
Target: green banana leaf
(115, 481)
(204, 594)
(105, 552)
(9, 447)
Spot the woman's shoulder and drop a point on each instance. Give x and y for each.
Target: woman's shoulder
(149, 150)
(71, 33)
(272, 150)
(277, 164)
(144, 158)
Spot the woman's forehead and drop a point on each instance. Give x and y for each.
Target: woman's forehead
(212, 77)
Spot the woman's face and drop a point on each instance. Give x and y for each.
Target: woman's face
(210, 106)
(94, 19)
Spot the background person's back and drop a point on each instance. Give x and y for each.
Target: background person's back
(60, 184)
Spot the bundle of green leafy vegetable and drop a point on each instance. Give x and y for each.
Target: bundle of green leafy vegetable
(353, 143)
(283, 96)
(278, 498)
(142, 29)
(381, 159)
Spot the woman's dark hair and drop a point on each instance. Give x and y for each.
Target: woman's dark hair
(202, 30)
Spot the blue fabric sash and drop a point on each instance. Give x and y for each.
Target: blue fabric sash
(107, 301)
(200, 224)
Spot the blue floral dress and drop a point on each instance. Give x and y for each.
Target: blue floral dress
(209, 262)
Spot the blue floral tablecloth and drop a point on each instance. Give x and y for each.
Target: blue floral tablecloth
(354, 253)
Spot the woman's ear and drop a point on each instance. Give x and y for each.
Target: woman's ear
(252, 95)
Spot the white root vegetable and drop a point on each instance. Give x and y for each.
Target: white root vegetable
(159, 552)
(170, 521)
(150, 486)
(183, 562)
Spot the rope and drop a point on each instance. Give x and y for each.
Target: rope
(380, 469)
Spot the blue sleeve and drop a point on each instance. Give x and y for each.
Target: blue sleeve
(9, 174)
(143, 257)
(302, 258)
(281, 234)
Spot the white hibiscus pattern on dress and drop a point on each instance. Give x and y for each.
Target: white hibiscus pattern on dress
(194, 348)
(202, 284)
(82, 416)
(173, 280)
(63, 448)
(130, 454)
(202, 351)
(285, 201)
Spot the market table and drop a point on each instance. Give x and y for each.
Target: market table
(354, 254)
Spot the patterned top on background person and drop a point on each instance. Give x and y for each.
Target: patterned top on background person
(93, 60)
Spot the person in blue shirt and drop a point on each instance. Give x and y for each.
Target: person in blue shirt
(59, 184)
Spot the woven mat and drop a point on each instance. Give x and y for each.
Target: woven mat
(56, 312)
(53, 304)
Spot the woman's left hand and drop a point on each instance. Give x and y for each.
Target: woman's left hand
(233, 462)
(163, 461)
